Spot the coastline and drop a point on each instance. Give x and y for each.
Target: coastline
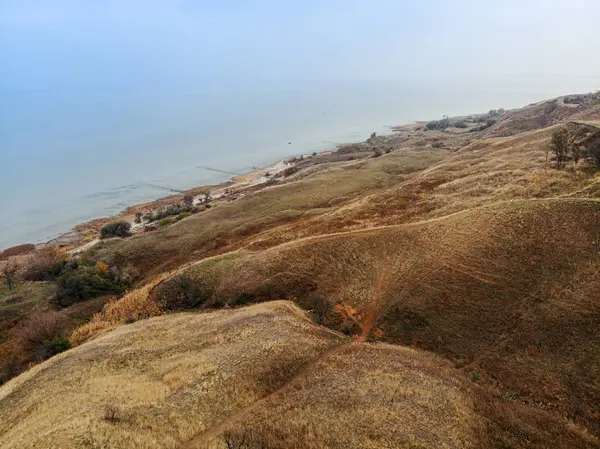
(83, 235)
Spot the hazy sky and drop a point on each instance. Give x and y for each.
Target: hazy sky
(69, 44)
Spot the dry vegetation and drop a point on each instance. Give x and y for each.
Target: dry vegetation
(476, 257)
(169, 378)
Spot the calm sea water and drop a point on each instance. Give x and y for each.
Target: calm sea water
(70, 156)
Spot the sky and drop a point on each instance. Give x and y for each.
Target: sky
(70, 44)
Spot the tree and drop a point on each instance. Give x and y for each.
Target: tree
(576, 151)
(205, 197)
(188, 199)
(9, 273)
(592, 149)
(560, 145)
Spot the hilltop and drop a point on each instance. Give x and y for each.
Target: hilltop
(432, 288)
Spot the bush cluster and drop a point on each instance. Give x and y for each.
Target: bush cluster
(182, 292)
(437, 125)
(45, 264)
(41, 335)
(289, 171)
(489, 122)
(82, 280)
(116, 229)
(170, 211)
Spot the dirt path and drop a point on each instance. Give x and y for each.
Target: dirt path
(372, 313)
(214, 432)
(344, 234)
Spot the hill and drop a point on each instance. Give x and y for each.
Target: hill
(507, 291)
(260, 376)
(434, 288)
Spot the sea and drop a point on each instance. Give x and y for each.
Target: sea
(71, 155)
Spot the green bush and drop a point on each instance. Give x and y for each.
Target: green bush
(84, 280)
(166, 222)
(116, 229)
(183, 215)
(58, 345)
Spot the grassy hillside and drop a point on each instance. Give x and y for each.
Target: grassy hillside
(442, 291)
(260, 376)
(222, 227)
(506, 291)
(167, 379)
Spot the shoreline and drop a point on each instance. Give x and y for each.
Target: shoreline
(79, 237)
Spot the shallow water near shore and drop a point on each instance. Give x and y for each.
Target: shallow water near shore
(70, 156)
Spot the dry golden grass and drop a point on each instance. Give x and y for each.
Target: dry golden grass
(484, 256)
(222, 227)
(135, 305)
(507, 290)
(361, 396)
(263, 376)
(169, 379)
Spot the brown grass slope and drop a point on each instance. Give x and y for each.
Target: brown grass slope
(538, 116)
(169, 378)
(363, 396)
(509, 291)
(260, 376)
(482, 172)
(222, 227)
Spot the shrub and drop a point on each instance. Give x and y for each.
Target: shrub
(188, 200)
(592, 150)
(116, 229)
(165, 222)
(112, 413)
(150, 227)
(437, 125)
(460, 124)
(319, 306)
(58, 345)
(182, 292)
(138, 217)
(560, 144)
(183, 215)
(169, 211)
(82, 281)
(347, 328)
(436, 144)
(488, 124)
(9, 274)
(38, 329)
(45, 264)
(41, 336)
(289, 171)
